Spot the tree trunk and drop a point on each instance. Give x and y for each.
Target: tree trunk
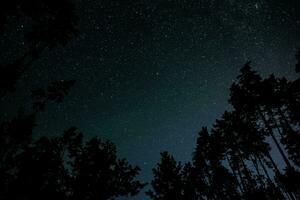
(235, 175)
(241, 178)
(287, 162)
(265, 170)
(257, 171)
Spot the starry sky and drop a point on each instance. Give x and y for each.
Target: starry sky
(150, 74)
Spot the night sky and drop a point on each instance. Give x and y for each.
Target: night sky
(150, 74)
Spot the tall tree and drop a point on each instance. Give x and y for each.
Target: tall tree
(202, 175)
(97, 172)
(246, 97)
(167, 183)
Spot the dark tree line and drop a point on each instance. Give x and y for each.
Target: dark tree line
(61, 167)
(235, 159)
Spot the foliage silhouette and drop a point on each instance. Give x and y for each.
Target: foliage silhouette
(61, 167)
(234, 160)
(65, 167)
(53, 23)
(168, 182)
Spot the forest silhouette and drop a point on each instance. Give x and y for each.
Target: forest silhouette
(62, 167)
(233, 160)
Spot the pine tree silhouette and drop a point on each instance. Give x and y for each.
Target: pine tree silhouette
(235, 159)
(168, 183)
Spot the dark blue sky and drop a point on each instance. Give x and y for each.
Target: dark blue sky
(151, 73)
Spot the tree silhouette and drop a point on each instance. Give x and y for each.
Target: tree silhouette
(168, 182)
(234, 160)
(39, 172)
(200, 165)
(61, 167)
(65, 167)
(55, 92)
(97, 173)
(189, 182)
(53, 23)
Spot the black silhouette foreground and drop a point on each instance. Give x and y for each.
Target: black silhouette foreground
(235, 159)
(62, 167)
